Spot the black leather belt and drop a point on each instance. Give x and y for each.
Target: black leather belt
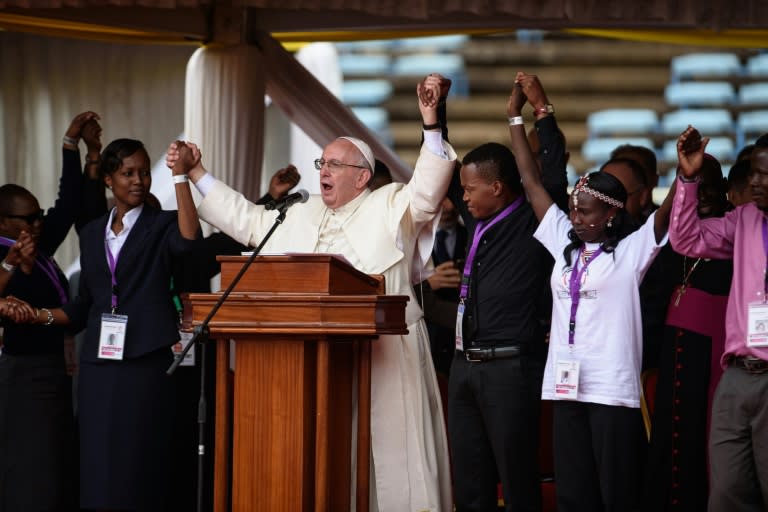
(479, 355)
(750, 364)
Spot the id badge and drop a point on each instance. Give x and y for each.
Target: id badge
(757, 325)
(459, 323)
(112, 336)
(178, 348)
(567, 380)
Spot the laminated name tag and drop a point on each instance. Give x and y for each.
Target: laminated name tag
(757, 325)
(566, 379)
(459, 323)
(112, 336)
(178, 348)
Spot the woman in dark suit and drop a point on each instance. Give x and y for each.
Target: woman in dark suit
(125, 397)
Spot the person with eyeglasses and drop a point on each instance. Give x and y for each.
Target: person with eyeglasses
(37, 441)
(377, 232)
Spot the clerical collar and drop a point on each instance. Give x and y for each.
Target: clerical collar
(352, 205)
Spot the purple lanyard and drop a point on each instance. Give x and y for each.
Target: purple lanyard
(765, 248)
(112, 265)
(48, 266)
(575, 289)
(479, 232)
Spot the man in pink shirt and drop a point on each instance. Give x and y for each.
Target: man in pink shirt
(739, 432)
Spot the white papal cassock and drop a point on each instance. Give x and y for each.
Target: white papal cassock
(379, 232)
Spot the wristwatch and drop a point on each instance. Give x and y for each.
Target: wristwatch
(546, 109)
(7, 266)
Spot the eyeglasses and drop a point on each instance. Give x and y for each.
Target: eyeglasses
(29, 219)
(334, 165)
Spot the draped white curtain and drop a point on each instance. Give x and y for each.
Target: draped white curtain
(224, 113)
(322, 60)
(138, 90)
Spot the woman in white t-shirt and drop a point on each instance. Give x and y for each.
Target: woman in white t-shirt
(593, 365)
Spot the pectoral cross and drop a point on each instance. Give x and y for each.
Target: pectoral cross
(680, 294)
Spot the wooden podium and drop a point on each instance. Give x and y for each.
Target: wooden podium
(302, 327)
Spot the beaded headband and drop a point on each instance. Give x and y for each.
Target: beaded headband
(583, 186)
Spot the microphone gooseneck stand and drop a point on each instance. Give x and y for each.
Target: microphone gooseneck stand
(200, 337)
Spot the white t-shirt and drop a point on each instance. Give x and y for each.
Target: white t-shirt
(609, 333)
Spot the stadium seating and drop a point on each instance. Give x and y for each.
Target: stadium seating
(623, 121)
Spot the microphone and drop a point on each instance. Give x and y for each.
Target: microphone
(300, 196)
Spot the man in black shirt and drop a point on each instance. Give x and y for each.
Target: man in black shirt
(495, 382)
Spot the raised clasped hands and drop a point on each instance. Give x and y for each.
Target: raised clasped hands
(532, 88)
(516, 99)
(91, 134)
(75, 129)
(182, 157)
(432, 89)
(690, 151)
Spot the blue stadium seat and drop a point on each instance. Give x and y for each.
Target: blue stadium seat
(754, 94)
(721, 148)
(665, 180)
(571, 175)
(375, 119)
(530, 35)
(446, 43)
(750, 125)
(757, 66)
(624, 121)
(371, 46)
(705, 65)
(693, 94)
(599, 150)
(365, 92)
(365, 65)
(711, 121)
(449, 65)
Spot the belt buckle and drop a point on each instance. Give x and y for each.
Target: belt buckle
(754, 365)
(473, 356)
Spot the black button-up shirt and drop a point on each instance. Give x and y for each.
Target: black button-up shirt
(509, 300)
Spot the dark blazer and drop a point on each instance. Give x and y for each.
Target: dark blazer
(143, 274)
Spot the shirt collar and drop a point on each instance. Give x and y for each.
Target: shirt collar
(129, 219)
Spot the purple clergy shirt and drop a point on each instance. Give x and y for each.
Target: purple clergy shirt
(737, 235)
